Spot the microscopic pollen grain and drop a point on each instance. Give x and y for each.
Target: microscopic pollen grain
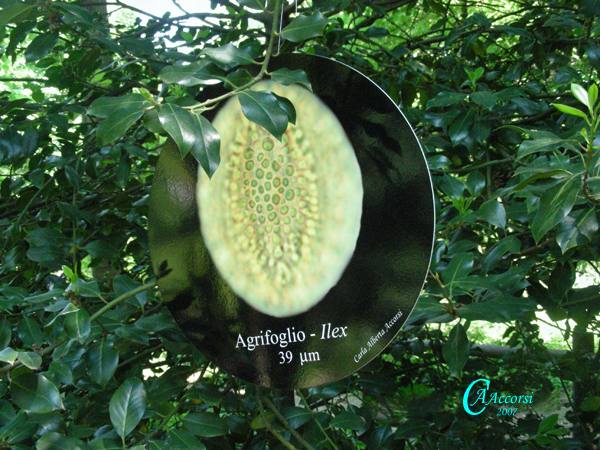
(263, 215)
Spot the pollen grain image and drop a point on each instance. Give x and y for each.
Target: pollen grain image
(281, 218)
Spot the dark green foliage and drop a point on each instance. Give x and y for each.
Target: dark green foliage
(500, 93)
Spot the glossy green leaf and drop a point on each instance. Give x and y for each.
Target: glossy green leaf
(493, 212)
(41, 46)
(82, 15)
(152, 122)
(264, 109)
(180, 125)
(547, 424)
(460, 266)
(554, 206)
(46, 236)
(570, 110)
(57, 441)
(304, 27)
(34, 393)
(286, 105)
(542, 144)
(18, 429)
(104, 106)
(133, 334)
(207, 146)
(88, 289)
(60, 372)
(540, 176)
(228, 54)
(30, 332)
(288, 77)
(475, 183)
(205, 424)
(380, 436)
(461, 129)
(487, 99)
(140, 47)
(456, 350)
(237, 79)
(127, 406)
(581, 94)
(508, 245)
(8, 354)
(182, 74)
(591, 403)
(30, 359)
(577, 229)
(106, 444)
(446, 99)
(412, 429)
(593, 94)
(5, 332)
(7, 413)
(99, 248)
(77, 324)
(102, 360)
(14, 13)
(123, 284)
(296, 416)
(451, 186)
(117, 124)
(592, 51)
(347, 421)
(183, 440)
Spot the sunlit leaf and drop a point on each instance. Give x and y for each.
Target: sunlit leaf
(304, 27)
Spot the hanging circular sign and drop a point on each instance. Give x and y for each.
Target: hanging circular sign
(300, 260)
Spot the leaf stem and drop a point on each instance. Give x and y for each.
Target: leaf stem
(286, 424)
(268, 424)
(317, 420)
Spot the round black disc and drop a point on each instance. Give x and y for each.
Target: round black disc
(376, 293)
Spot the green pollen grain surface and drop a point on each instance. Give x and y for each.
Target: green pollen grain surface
(281, 219)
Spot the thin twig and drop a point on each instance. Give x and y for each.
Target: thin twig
(317, 420)
(286, 424)
(268, 424)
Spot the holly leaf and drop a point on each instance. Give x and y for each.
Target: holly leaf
(180, 125)
(117, 124)
(264, 109)
(554, 206)
(104, 106)
(207, 146)
(34, 393)
(228, 54)
(304, 27)
(127, 406)
(41, 46)
(456, 350)
(288, 77)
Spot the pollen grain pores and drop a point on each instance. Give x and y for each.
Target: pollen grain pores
(281, 219)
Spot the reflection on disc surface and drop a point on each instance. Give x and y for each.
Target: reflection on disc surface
(357, 306)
